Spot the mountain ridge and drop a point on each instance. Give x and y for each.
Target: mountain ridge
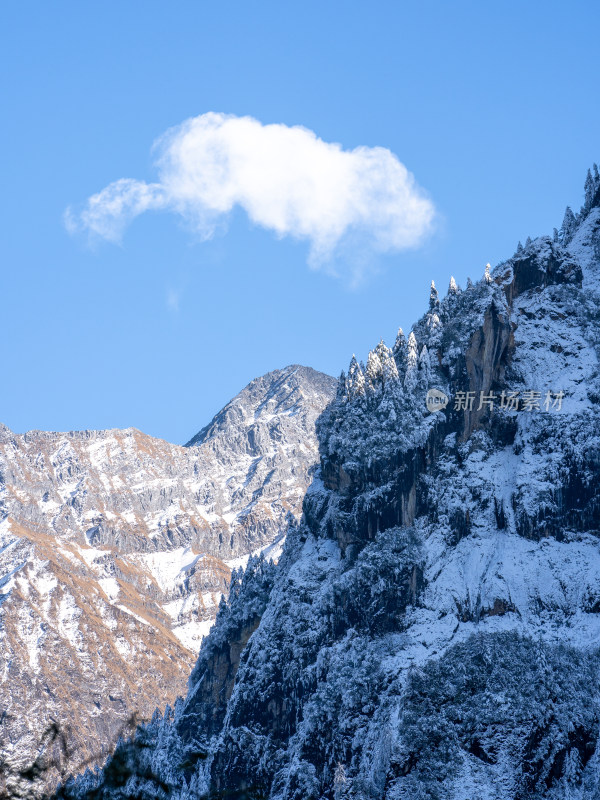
(432, 629)
(115, 549)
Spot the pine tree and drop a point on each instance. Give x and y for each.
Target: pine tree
(592, 187)
(373, 373)
(528, 243)
(399, 349)
(410, 378)
(555, 237)
(519, 248)
(590, 190)
(355, 380)
(342, 389)
(382, 350)
(389, 371)
(424, 367)
(434, 300)
(453, 287)
(399, 352)
(469, 283)
(488, 276)
(568, 226)
(434, 322)
(360, 388)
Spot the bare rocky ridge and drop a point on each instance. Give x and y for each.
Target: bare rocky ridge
(115, 549)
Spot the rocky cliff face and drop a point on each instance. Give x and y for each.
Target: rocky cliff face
(115, 549)
(432, 629)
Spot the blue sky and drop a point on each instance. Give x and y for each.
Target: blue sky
(493, 108)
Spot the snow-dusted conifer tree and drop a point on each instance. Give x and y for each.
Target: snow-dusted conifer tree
(569, 225)
(424, 367)
(355, 380)
(373, 373)
(590, 190)
(453, 287)
(434, 300)
(399, 352)
(435, 323)
(488, 274)
(592, 187)
(389, 371)
(410, 378)
(342, 388)
(399, 349)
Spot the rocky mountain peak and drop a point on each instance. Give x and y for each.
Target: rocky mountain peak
(115, 550)
(267, 401)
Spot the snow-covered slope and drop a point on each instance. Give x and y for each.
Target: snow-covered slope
(115, 549)
(432, 629)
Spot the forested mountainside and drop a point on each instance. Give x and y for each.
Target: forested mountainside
(432, 629)
(115, 550)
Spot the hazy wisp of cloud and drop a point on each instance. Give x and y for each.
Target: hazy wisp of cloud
(285, 178)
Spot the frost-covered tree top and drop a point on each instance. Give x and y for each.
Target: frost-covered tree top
(433, 297)
(355, 381)
(399, 344)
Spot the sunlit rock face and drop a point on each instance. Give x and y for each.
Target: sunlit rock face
(115, 549)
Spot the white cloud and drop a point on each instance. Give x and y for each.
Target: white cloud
(286, 179)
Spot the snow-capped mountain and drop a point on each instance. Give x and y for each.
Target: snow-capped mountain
(115, 549)
(432, 629)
